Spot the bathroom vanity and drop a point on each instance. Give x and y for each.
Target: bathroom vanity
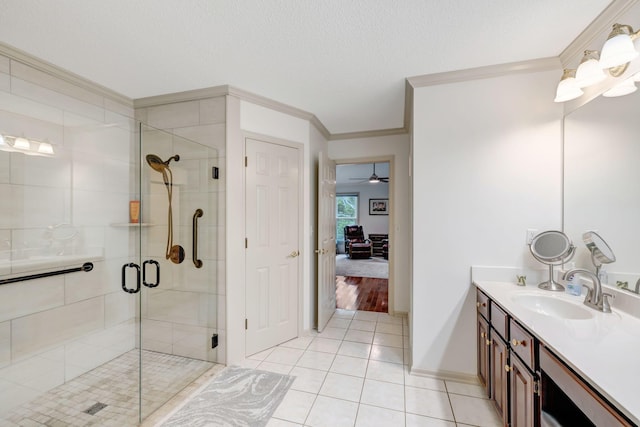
(545, 359)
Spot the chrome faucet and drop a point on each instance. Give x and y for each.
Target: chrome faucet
(595, 298)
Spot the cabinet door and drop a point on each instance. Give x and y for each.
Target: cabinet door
(524, 399)
(483, 354)
(499, 374)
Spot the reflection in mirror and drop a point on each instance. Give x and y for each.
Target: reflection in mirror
(601, 191)
(601, 253)
(552, 248)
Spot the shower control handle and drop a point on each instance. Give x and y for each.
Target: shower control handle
(198, 214)
(144, 273)
(124, 278)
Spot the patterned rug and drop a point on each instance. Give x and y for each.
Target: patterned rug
(373, 267)
(235, 397)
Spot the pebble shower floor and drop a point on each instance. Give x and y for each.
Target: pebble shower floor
(108, 395)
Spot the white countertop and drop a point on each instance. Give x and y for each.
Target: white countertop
(604, 350)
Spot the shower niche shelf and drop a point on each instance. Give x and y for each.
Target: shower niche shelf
(131, 224)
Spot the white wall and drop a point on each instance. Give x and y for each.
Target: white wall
(486, 166)
(395, 147)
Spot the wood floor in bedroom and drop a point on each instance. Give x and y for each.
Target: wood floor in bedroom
(362, 293)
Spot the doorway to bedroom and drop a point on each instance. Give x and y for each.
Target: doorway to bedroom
(362, 236)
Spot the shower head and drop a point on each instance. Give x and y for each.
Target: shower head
(157, 164)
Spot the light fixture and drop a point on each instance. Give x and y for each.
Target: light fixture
(45, 148)
(21, 144)
(567, 88)
(618, 50)
(626, 87)
(589, 71)
(30, 147)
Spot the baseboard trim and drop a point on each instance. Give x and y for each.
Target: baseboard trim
(445, 375)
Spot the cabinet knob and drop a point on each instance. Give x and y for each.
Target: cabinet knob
(516, 343)
(508, 368)
(487, 342)
(479, 304)
(483, 334)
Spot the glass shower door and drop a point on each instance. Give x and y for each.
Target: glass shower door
(177, 250)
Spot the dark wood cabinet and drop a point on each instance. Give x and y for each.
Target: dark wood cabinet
(523, 393)
(483, 354)
(499, 374)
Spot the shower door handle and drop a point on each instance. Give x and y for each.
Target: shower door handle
(197, 262)
(124, 278)
(144, 273)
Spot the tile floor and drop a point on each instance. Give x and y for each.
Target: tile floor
(354, 373)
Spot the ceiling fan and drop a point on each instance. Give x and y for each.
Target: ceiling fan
(373, 179)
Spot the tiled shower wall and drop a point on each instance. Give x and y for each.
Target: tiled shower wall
(54, 329)
(197, 295)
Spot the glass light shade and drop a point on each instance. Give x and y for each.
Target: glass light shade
(589, 72)
(373, 180)
(626, 87)
(567, 88)
(21, 144)
(618, 50)
(45, 148)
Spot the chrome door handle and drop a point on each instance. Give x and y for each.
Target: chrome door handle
(124, 278)
(197, 262)
(144, 273)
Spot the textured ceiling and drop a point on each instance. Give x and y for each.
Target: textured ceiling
(343, 60)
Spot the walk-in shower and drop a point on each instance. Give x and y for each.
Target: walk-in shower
(74, 348)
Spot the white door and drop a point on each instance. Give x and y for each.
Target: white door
(272, 218)
(326, 240)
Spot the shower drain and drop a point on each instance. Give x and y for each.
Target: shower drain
(95, 408)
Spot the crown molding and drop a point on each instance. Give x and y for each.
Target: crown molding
(62, 74)
(490, 71)
(600, 25)
(369, 134)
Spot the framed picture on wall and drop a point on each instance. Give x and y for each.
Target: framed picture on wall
(378, 206)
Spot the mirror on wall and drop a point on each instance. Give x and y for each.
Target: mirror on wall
(602, 183)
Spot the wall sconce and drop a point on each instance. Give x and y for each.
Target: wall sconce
(567, 88)
(30, 147)
(617, 52)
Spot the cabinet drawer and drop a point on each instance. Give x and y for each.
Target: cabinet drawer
(482, 303)
(522, 344)
(499, 321)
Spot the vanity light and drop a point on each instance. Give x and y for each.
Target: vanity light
(45, 148)
(21, 144)
(589, 71)
(626, 87)
(618, 50)
(567, 88)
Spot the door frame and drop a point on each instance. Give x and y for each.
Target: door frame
(391, 160)
(301, 181)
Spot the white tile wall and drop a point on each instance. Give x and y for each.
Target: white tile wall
(174, 115)
(43, 294)
(5, 343)
(5, 82)
(213, 110)
(4, 64)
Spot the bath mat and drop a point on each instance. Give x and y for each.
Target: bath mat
(235, 397)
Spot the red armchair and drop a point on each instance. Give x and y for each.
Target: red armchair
(355, 245)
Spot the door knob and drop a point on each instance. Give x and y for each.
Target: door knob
(294, 254)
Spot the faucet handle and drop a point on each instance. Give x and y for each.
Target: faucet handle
(606, 306)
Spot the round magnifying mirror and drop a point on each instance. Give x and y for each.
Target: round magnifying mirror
(601, 253)
(552, 248)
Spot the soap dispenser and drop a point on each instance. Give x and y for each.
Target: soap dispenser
(574, 287)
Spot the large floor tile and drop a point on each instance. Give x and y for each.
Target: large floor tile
(389, 328)
(309, 380)
(474, 390)
(295, 406)
(275, 422)
(388, 340)
(369, 316)
(284, 355)
(325, 345)
(342, 387)
(330, 412)
(475, 411)
(372, 416)
(359, 336)
(363, 325)
(278, 368)
(316, 360)
(349, 365)
(385, 371)
(355, 349)
(387, 318)
(337, 322)
(344, 314)
(387, 354)
(423, 382)
(429, 403)
(333, 333)
(384, 395)
(300, 342)
(414, 420)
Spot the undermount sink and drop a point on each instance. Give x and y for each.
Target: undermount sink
(551, 306)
